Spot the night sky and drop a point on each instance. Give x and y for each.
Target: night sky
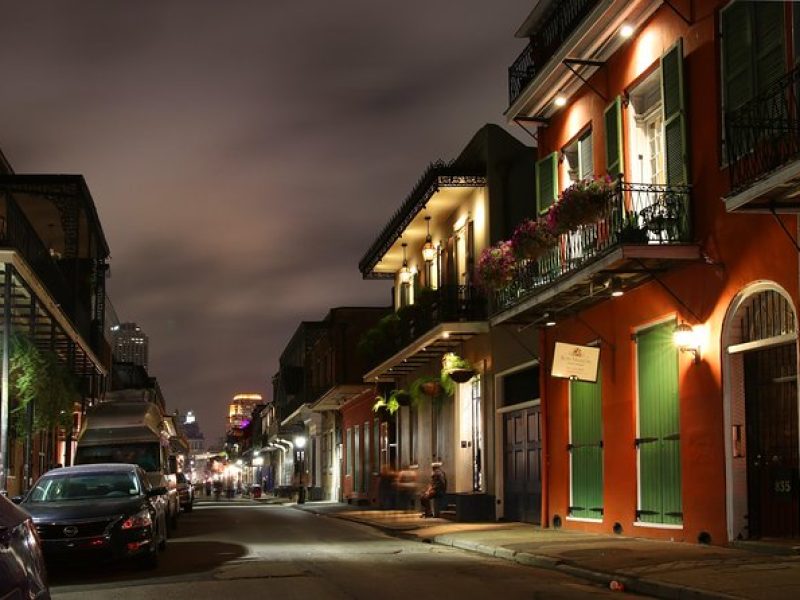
(244, 155)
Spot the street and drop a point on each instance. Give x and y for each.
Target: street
(242, 548)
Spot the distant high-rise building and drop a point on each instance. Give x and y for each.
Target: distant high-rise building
(241, 409)
(130, 344)
(192, 430)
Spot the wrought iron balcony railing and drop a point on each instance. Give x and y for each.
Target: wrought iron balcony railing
(555, 28)
(764, 134)
(637, 213)
(17, 232)
(448, 304)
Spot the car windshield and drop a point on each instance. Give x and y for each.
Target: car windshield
(84, 486)
(144, 455)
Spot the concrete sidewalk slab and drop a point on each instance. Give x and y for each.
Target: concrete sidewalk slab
(662, 569)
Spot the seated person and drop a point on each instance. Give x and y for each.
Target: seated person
(435, 490)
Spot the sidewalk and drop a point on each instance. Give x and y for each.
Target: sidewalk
(660, 569)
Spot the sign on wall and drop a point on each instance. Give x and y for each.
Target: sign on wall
(571, 361)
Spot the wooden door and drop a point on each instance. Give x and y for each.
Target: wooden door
(772, 442)
(522, 465)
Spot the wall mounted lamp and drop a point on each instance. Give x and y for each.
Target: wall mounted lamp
(688, 339)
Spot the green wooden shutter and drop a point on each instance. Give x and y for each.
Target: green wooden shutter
(586, 448)
(586, 159)
(737, 55)
(612, 117)
(770, 34)
(659, 427)
(673, 105)
(546, 181)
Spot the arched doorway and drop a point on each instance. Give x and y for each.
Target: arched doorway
(761, 414)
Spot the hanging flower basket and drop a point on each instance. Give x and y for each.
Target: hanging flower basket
(497, 266)
(531, 239)
(582, 203)
(461, 375)
(457, 368)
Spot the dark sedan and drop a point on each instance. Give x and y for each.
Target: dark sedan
(106, 511)
(22, 571)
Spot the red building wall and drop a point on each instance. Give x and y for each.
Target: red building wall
(739, 249)
(357, 412)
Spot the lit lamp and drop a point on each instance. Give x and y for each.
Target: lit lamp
(405, 272)
(687, 339)
(258, 461)
(300, 458)
(300, 441)
(428, 251)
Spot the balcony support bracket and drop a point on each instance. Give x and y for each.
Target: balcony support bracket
(571, 63)
(786, 231)
(688, 20)
(536, 121)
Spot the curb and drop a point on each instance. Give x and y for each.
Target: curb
(649, 587)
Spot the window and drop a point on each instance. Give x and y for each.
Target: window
(546, 181)
(579, 158)
(647, 148)
(753, 50)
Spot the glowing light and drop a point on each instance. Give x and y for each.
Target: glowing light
(560, 101)
(626, 31)
(258, 461)
(300, 441)
(689, 339)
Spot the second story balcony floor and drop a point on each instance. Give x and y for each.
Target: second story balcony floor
(641, 230)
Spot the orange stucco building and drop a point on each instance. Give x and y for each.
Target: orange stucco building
(690, 108)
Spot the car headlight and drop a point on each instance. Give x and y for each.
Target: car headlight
(137, 521)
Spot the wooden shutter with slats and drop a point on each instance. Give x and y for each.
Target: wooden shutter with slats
(612, 118)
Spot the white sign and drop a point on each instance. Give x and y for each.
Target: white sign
(576, 362)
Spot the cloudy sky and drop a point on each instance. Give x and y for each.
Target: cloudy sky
(243, 155)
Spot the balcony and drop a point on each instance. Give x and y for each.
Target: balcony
(645, 229)
(437, 323)
(762, 140)
(554, 29)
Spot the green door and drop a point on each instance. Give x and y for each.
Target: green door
(586, 448)
(659, 427)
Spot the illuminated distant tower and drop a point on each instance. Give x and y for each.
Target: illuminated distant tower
(130, 344)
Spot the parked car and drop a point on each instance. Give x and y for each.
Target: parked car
(185, 492)
(22, 568)
(104, 511)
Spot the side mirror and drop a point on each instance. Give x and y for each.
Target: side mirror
(156, 491)
(18, 499)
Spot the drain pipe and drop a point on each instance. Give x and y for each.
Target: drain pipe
(543, 411)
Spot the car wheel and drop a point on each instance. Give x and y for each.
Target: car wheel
(149, 560)
(162, 545)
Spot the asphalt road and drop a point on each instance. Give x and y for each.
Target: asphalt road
(235, 551)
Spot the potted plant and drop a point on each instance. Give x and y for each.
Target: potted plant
(435, 389)
(496, 266)
(582, 203)
(457, 368)
(631, 232)
(386, 406)
(532, 238)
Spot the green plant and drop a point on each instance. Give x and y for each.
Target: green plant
(453, 362)
(631, 232)
(394, 400)
(435, 389)
(40, 378)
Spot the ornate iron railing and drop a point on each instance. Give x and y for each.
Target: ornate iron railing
(764, 134)
(555, 28)
(636, 213)
(17, 232)
(448, 304)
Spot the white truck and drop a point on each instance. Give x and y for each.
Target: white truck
(128, 428)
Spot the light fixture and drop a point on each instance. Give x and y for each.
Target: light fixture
(560, 100)
(615, 285)
(405, 272)
(428, 251)
(550, 323)
(687, 339)
(626, 31)
(258, 461)
(300, 441)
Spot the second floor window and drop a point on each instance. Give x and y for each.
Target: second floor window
(579, 158)
(647, 146)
